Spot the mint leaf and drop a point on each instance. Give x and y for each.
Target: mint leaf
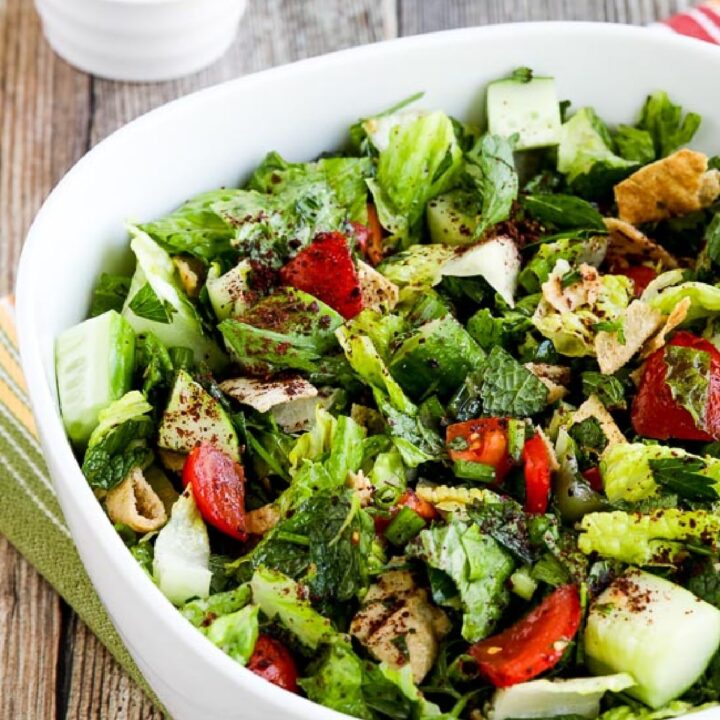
(146, 304)
(508, 388)
(109, 294)
(607, 388)
(682, 477)
(687, 376)
(563, 211)
(491, 168)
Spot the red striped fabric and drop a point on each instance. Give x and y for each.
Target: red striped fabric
(701, 22)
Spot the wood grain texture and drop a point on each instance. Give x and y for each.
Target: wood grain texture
(50, 665)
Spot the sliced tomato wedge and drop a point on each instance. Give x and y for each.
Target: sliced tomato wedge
(218, 485)
(326, 269)
(641, 275)
(534, 644)
(272, 660)
(536, 459)
(593, 476)
(655, 414)
(484, 440)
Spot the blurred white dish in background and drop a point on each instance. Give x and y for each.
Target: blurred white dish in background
(140, 40)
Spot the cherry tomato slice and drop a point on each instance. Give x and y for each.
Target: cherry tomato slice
(534, 644)
(272, 660)
(218, 485)
(484, 440)
(325, 269)
(593, 476)
(641, 275)
(656, 414)
(536, 458)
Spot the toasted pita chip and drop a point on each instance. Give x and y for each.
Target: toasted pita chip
(554, 464)
(262, 395)
(592, 407)
(583, 292)
(258, 522)
(135, 504)
(628, 246)
(553, 377)
(675, 318)
(171, 460)
(378, 293)
(639, 323)
(676, 185)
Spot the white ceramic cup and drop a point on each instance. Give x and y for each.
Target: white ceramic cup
(140, 40)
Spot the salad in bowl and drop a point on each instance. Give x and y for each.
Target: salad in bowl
(429, 426)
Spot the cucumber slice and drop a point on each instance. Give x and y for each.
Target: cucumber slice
(530, 109)
(93, 363)
(658, 632)
(452, 218)
(194, 416)
(230, 294)
(181, 327)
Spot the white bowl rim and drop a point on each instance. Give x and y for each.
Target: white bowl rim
(44, 406)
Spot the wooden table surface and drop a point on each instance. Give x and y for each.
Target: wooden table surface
(50, 114)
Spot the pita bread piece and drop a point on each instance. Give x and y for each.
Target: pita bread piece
(628, 246)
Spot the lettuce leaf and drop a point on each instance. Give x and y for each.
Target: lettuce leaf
(236, 633)
(704, 299)
(666, 125)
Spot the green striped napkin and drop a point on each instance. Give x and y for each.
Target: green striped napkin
(30, 516)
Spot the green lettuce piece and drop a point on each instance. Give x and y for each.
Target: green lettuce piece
(195, 227)
(109, 294)
(574, 251)
(418, 265)
(346, 450)
(153, 363)
(656, 538)
(402, 678)
(288, 329)
(627, 474)
(563, 211)
(119, 442)
(422, 160)
(282, 599)
(336, 681)
(491, 169)
(573, 333)
(676, 708)
(586, 155)
(236, 633)
(181, 565)
(635, 144)
(506, 330)
(478, 566)
(704, 299)
(312, 444)
(345, 176)
(201, 612)
(389, 477)
(381, 328)
(665, 123)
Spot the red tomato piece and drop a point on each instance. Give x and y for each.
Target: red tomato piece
(218, 485)
(536, 459)
(641, 275)
(325, 269)
(409, 498)
(272, 660)
(593, 476)
(484, 440)
(534, 644)
(655, 414)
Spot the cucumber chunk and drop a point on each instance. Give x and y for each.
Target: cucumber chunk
(194, 416)
(166, 312)
(93, 363)
(230, 293)
(658, 632)
(453, 218)
(530, 109)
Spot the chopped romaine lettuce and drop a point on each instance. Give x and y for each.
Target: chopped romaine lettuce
(236, 633)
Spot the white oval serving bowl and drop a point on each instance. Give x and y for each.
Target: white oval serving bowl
(216, 137)
(140, 40)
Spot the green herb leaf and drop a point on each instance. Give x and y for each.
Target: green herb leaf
(616, 326)
(666, 124)
(687, 376)
(563, 211)
(109, 294)
(607, 388)
(146, 304)
(682, 477)
(522, 74)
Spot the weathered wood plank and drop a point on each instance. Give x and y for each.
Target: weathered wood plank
(417, 16)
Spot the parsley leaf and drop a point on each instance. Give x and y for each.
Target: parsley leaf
(607, 388)
(687, 376)
(563, 211)
(508, 388)
(682, 477)
(146, 304)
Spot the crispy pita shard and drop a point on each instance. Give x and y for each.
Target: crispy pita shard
(378, 293)
(582, 292)
(676, 185)
(628, 246)
(614, 349)
(592, 407)
(135, 504)
(553, 377)
(675, 318)
(263, 395)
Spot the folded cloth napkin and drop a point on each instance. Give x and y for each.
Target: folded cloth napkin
(30, 516)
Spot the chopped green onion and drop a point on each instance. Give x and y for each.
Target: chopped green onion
(292, 538)
(404, 527)
(469, 470)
